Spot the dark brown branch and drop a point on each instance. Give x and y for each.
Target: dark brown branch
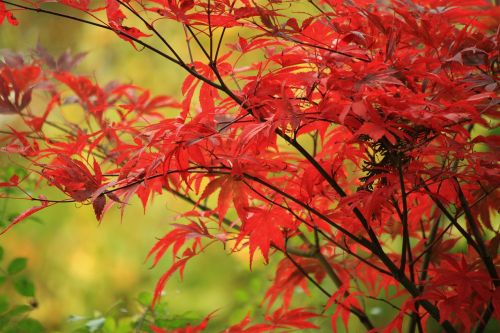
(398, 275)
(450, 217)
(153, 29)
(204, 208)
(197, 40)
(483, 253)
(306, 275)
(405, 250)
(360, 313)
(485, 318)
(424, 269)
(361, 241)
(337, 244)
(186, 67)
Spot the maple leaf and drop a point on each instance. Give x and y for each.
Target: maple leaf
(4, 13)
(288, 280)
(27, 213)
(21, 145)
(78, 4)
(179, 265)
(91, 95)
(231, 189)
(73, 177)
(13, 181)
(345, 302)
(263, 228)
(188, 329)
(115, 19)
(176, 238)
(296, 318)
(16, 86)
(98, 205)
(458, 285)
(64, 63)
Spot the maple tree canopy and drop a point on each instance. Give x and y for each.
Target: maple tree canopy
(354, 141)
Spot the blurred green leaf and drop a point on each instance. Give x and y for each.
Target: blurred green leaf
(145, 298)
(4, 320)
(241, 295)
(95, 324)
(4, 303)
(2, 279)
(161, 308)
(17, 265)
(80, 330)
(1, 253)
(29, 325)
(175, 322)
(255, 285)
(109, 325)
(19, 310)
(24, 287)
(124, 326)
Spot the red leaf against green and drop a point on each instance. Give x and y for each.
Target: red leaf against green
(27, 213)
(73, 177)
(4, 13)
(188, 329)
(295, 318)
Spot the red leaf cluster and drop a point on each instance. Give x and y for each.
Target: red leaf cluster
(353, 140)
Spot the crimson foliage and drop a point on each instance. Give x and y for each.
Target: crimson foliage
(350, 150)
